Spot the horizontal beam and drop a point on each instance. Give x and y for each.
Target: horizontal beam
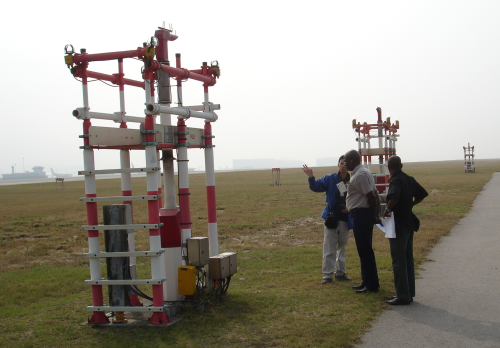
(99, 57)
(125, 282)
(202, 107)
(183, 73)
(115, 171)
(125, 309)
(120, 198)
(79, 113)
(126, 254)
(121, 227)
(114, 79)
(183, 112)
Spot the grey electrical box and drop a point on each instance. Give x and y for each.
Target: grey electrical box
(233, 264)
(197, 248)
(219, 267)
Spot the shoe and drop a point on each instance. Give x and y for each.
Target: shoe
(394, 296)
(343, 277)
(395, 301)
(358, 287)
(326, 281)
(365, 289)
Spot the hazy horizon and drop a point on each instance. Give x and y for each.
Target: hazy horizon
(292, 77)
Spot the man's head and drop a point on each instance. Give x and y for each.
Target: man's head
(352, 159)
(342, 167)
(394, 164)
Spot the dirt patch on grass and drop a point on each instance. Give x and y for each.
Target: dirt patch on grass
(300, 232)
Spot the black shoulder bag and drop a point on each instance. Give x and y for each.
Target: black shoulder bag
(332, 220)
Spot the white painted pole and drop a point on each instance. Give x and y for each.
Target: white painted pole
(92, 216)
(213, 239)
(173, 256)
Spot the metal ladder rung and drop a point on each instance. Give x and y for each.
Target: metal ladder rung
(125, 309)
(122, 170)
(125, 254)
(125, 282)
(120, 198)
(121, 227)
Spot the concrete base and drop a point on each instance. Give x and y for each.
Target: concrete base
(141, 318)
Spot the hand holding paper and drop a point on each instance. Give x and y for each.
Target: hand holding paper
(388, 226)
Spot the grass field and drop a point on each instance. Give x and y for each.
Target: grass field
(275, 299)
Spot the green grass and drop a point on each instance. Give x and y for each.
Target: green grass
(274, 300)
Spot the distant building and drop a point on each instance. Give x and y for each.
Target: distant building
(37, 173)
(265, 164)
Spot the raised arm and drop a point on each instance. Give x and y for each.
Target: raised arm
(307, 170)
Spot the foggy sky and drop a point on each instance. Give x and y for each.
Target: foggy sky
(294, 75)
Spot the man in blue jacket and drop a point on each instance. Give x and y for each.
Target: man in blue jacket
(336, 237)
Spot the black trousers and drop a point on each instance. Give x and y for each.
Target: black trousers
(363, 234)
(402, 263)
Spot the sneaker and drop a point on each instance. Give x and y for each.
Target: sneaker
(327, 280)
(343, 277)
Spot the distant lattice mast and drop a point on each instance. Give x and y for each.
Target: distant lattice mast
(469, 159)
(386, 134)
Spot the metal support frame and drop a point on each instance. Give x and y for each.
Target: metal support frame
(78, 63)
(385, 133)
(469, 159)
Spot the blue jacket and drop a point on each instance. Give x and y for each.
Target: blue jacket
(328, 184)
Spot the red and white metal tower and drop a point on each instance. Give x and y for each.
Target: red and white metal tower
(469, 159)
(385, 133)
(169, 225)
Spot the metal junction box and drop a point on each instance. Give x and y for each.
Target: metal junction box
(223, 265)
(197, 248)
(233, 264)
(171, 230)
(218, 267)
(186, 278)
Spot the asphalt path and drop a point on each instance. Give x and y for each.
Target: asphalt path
(457, 301)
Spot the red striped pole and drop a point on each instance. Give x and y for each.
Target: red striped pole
(213, 242)
(158, 318)
(92, 216)
(182, 165)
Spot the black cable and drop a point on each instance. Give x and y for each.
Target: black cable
(103, 82)
(94, 81)
(133, 287)
(184, 301)
(227, 285)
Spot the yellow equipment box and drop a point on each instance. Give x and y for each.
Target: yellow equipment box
(186, 276)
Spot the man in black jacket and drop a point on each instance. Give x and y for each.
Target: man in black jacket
(404, 192)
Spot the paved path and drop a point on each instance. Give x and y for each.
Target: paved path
(458, 295)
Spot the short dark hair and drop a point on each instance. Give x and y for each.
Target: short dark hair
(394, 163)
(352, 155)
(341, 158)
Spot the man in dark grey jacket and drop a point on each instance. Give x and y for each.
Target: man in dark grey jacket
(404, 192)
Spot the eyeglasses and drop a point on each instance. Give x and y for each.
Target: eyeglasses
(342, 164)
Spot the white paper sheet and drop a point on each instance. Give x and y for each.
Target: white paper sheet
(389, 229)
